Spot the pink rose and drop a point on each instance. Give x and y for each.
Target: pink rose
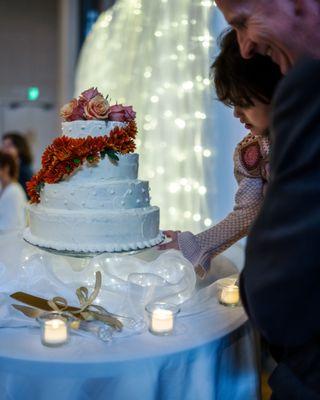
(121, 113)
(90, 94)
(72, 111)
(96, 108)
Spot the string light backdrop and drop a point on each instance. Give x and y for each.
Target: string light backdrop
(154, 54)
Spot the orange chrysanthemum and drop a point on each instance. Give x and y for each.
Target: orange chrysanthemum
(66, 154)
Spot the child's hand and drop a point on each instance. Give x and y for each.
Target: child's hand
(174, 241)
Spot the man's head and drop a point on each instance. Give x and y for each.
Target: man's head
(285, 30)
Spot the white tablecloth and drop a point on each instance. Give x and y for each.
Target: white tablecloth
(210, 357)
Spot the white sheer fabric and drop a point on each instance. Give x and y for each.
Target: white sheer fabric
(155, 55)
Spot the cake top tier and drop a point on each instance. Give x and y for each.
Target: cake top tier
(91, 105)
(93, 128)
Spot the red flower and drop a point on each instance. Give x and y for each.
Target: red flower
(66, 154)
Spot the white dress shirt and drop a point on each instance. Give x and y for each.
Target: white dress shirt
(12, 207)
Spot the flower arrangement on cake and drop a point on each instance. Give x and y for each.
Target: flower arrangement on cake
(66, 154)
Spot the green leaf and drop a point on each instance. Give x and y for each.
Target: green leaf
(68, 168)
(112, 154)
(77, 160)
(90, 158)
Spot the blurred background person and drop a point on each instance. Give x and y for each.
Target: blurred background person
(16, 144)
(12, 196)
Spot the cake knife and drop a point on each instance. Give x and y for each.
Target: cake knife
(102, 332)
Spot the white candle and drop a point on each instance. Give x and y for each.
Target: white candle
(230, 295)
(55, 332)
(161, 321)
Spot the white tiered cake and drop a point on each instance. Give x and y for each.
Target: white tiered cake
(99, 207)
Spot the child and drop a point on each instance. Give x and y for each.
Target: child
(12, 196)
(247, 85)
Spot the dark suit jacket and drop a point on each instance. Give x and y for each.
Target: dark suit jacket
(280, 283)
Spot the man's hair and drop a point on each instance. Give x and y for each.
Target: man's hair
(21, 143)
(6, 160)
(237, 80)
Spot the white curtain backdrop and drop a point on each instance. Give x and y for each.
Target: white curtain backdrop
(155, 55)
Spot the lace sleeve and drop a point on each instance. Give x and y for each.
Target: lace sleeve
(199, 249)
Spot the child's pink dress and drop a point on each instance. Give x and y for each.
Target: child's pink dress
(251, 169)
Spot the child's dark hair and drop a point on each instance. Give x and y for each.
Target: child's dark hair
(237, 80)
(21, 143)
(6, 160)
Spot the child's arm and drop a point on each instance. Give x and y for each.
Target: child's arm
(199, 249)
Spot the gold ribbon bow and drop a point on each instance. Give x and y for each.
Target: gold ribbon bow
(87, 311)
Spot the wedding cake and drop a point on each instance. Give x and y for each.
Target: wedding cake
(87, 196)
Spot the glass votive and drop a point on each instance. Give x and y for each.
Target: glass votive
(54, 328)
(162, 318)
(228, 293)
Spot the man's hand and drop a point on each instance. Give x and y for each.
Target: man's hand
(174, 241)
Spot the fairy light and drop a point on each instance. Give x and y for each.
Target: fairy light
(207, 222)
(188, 85)
(168, 113)
(200, 115)
(168, 101)
(180, 123)
(187, 214)
(196, 217)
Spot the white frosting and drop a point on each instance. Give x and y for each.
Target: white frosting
(82, 129)
(93, 230)
(104, 170)
(100, 207)
(109, 195)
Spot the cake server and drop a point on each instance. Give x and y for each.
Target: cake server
(101, 331)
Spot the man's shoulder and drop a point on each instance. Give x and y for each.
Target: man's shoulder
(302, 78)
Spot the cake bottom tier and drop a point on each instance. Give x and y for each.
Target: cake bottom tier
(93, 230)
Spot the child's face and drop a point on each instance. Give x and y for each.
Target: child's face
(255, 118)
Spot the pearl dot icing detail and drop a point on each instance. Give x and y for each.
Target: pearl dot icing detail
(122, 203)
(112, 191)
(143, 190)
(138, 201)
(130, 191)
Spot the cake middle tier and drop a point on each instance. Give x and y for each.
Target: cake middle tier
(105, 195)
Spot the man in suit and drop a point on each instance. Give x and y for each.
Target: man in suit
(280, 283)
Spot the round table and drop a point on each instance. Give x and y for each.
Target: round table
(211, 356)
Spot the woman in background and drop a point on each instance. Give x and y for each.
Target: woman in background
(18, 147)
(12, 196)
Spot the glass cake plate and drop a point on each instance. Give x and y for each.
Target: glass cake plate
(83, 254)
